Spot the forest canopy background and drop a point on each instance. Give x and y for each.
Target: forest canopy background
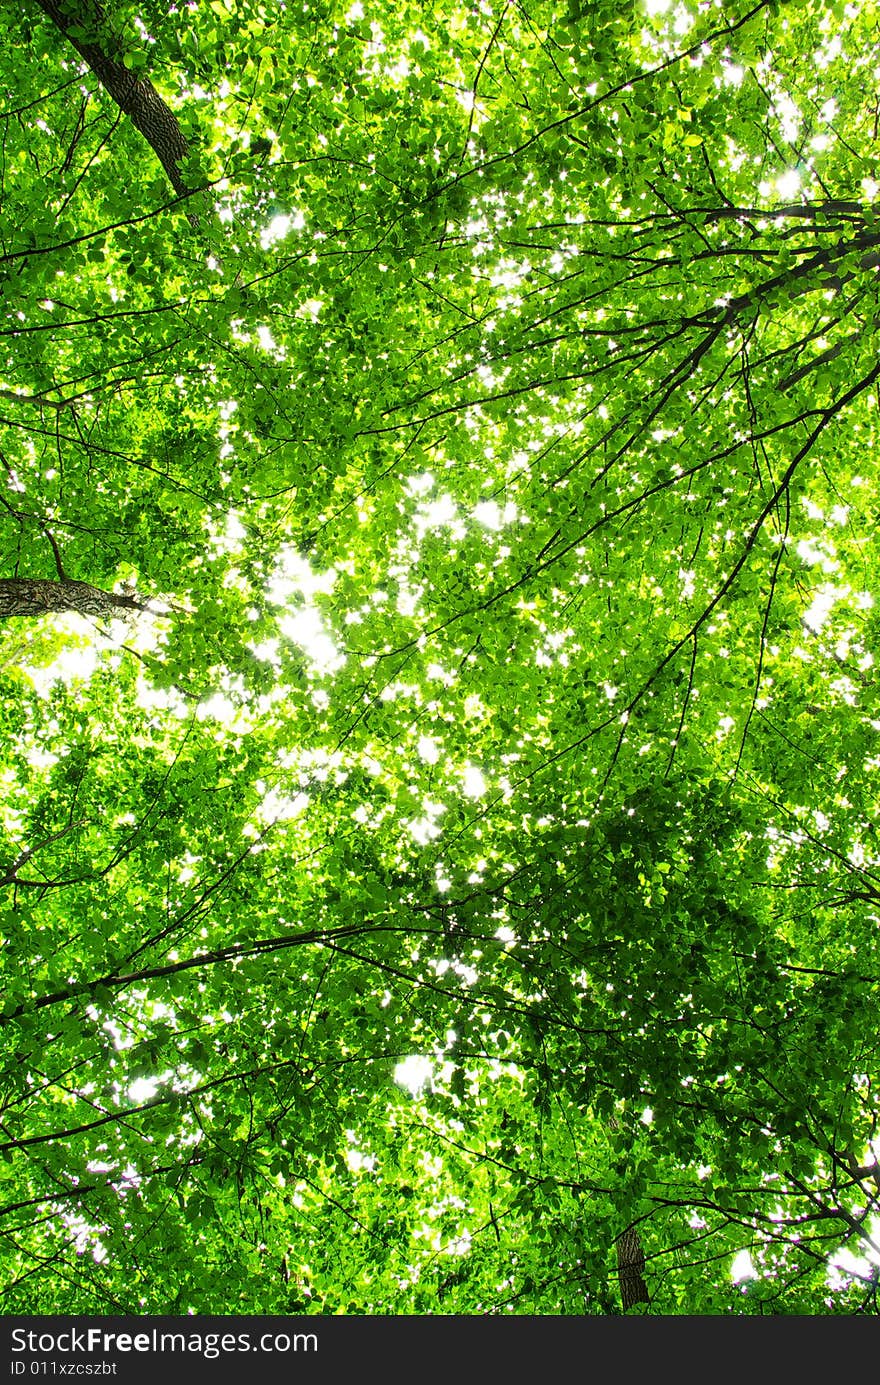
(438, 517)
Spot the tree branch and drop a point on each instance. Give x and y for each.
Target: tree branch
(89, 33)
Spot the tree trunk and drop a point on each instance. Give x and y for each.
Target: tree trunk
(86, 28)
(36, 596)
(630, 1269)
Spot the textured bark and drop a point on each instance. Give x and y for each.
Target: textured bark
(36, 596)
(630, 1269)
(83, 24)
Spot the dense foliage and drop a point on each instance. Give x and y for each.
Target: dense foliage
(440, 874)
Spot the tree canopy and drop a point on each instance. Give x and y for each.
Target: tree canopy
(439, 817)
